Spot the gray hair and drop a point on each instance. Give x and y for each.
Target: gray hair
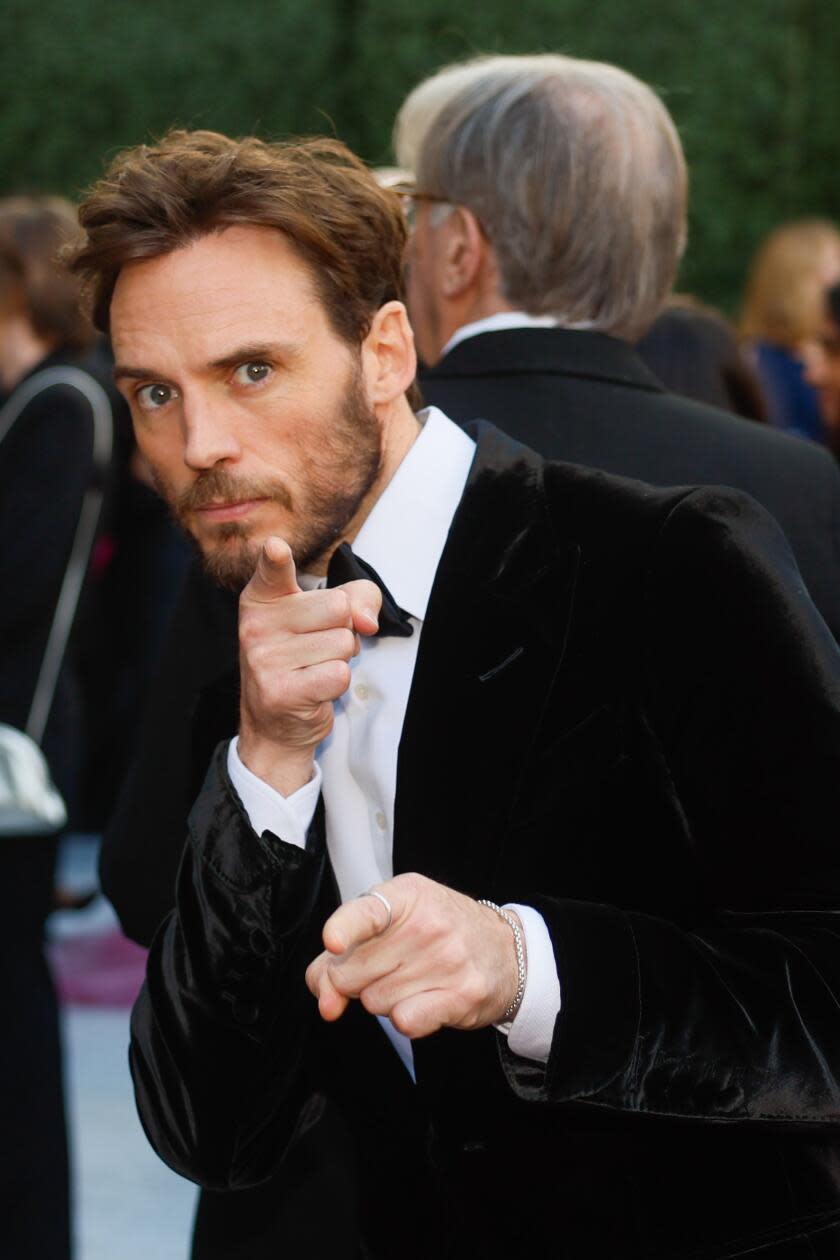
(575, 172)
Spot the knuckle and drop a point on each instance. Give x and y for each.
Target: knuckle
(410, 882)
(372, 1001)
(338, 606)
(452, 954)
(405, 1023)
(249, 630)
(339, 674)
(473, 991)
(339, 981)
(345, 644)
(259, 656)
(437, 928)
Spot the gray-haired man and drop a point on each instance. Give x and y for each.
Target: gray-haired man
(549, 220)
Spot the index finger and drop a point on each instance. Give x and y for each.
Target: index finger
(358, 921)
(275, 575)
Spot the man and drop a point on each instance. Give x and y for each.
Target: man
(550, 217)
(535, 898)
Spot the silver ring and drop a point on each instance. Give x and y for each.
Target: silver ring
(371, 892)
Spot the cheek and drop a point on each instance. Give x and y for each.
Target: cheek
(163, 452)
(421, 316)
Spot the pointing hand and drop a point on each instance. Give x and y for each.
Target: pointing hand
(294, 649)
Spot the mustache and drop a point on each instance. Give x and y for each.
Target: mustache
(215, 485)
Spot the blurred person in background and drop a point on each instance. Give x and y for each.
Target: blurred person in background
(782, 308)
(46, 466)
(821, 358)
(693, 350)
(549, 217)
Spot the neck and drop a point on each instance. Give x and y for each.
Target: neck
(475, 305)
(21, 349)
(400, 429)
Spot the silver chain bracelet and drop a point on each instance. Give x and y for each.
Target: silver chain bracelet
(522, 971)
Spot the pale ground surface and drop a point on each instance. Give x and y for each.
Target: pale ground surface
(128, 1205)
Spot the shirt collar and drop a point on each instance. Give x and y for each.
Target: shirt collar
(404, 535)
(505, 320)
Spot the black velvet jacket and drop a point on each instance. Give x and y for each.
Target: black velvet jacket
(646, 707)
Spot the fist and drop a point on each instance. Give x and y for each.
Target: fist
(294, 653)
(444, 960)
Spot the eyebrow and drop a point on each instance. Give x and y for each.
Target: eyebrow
(254, 351)
(125, 371)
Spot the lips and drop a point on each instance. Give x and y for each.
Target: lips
(233, 511)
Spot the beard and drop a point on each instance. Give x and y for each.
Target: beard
(336, 478)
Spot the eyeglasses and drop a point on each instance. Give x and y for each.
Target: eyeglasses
(409, 197)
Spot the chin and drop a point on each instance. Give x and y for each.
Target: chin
(231, 564)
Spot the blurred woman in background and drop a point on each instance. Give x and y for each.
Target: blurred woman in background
(694, 351)
(46, 467)
(791, 270)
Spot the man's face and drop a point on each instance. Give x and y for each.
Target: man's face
(249, 408)
(423, 266)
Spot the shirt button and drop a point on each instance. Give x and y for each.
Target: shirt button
(362, 692)
(381, 820)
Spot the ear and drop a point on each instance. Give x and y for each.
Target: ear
(389, 361)
(465, 251)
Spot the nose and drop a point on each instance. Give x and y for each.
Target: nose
(209, 432)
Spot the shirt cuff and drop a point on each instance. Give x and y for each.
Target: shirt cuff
(529, 1034)
(287, 817)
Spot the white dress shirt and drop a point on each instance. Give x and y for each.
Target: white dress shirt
(356, 765)
(504, 320)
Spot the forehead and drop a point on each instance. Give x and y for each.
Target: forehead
(245, 281)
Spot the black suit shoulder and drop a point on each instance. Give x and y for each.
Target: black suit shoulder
(588, 399)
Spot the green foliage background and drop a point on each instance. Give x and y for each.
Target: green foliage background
(754, 87)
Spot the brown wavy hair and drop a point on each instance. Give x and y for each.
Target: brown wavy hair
(154, 199)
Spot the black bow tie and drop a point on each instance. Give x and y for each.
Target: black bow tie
(346, 566)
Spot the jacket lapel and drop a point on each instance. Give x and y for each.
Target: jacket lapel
(492, 642)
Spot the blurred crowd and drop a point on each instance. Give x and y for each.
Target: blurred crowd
(775, 363)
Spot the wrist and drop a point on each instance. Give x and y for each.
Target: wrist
(518, 964)
(284, 769)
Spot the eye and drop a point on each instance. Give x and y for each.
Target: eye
(153, 397)
(251, 373)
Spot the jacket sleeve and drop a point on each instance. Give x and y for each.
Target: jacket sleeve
(219, 1030)
(732, 1014)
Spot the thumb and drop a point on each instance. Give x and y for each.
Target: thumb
(275, 575)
